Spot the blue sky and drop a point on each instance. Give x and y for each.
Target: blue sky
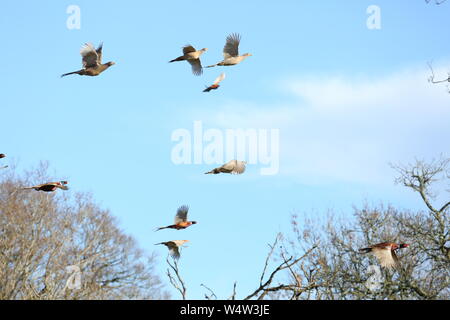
(347, 101)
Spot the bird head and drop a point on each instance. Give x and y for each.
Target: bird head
(63, 182)
(204, 49)
(193, 222)
(403, 245)
(2, 155)
(111, 63)
(247, 54)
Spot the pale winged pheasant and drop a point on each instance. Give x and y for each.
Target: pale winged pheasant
(49, 186)
(233, 167)
(181, 221)
(231, 55)
(385, 253)
(215, 85)
(173, 247)
(193, 57)
(92, 61)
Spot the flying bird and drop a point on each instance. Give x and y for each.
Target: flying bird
(2, 155)
(181, 221)
(193, 57)
(49, 186)
(173, 247)
(233, 167)
(92, 61)
(215, 85)
(231, 55)
(385, 253)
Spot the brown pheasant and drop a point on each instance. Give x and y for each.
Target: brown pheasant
(2, 155)
(191, 55)
(385, 253)
(49, 187)
(215, 85)
(233, 167)
(92, 61)
(173, 247)
(181, 221)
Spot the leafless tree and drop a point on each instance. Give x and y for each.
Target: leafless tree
(339, 271)
(432, 78)
(173, 273)
(63, 246)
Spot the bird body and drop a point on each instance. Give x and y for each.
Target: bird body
(92, 61)
(173, 247)
(233, 167)
(385, 253)
(215, 85)
(49, 187)
(231, 55)
(181, 221)
(191, 55)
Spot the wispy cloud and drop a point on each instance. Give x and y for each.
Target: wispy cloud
(341, 129)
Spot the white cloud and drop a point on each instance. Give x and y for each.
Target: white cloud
(350, 129)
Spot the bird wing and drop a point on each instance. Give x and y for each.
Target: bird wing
(174, 252)
(188, 48)
(181, 215)
(240, 167)
(229, 165)
(385, 257)
(90, 56)
(234, 166)
(196, 66)
(395, 259)
(219, 78)
(231, 48)
(99, 53)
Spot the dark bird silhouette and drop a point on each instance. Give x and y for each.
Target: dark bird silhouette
(193, 57)
(2, 155)
(49, 186)
(215, 85)
(173, 247)
(233, 167)
(385, 253)
(181, 221)
(92, 61)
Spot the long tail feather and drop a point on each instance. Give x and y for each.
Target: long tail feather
(69, 73)
(178, 59)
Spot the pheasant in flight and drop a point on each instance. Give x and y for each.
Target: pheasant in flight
(173, 247)
(215, 85)
(231, 55)
(181, 221)
(49, 186)
(193, 57)
(92, 61)
(385, 253)
(2, 155)
(233, 167)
